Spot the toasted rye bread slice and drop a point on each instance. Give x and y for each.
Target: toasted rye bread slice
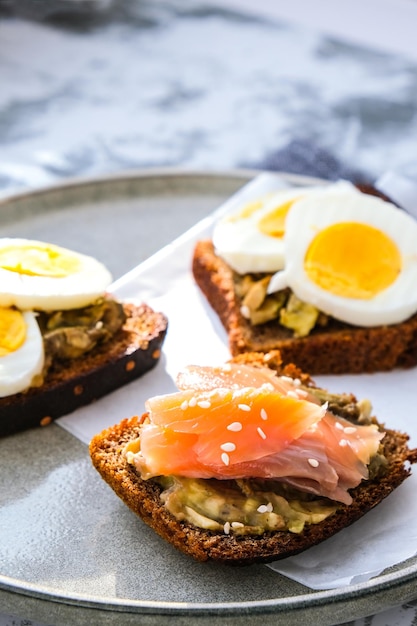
(143, 498)
(335, 349)
(134, 350)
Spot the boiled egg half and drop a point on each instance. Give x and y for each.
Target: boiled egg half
(21, 350)
(251, 239)
(42, 276)
(353, 256)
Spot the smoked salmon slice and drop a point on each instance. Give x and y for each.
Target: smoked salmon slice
(253, 421)
(245, 422)
(238, 376)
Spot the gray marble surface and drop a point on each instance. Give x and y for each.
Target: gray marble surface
(185, 83)
(98, 88)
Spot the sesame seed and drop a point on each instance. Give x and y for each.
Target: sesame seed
(264, 414)
(339, 426)
(243, 407)
(235, 427)
(204, 404)
(184, 405)
(225, 458)
(226, 528)
(292, 394)
(313, 462)
(228, 446)
(192, 401)
(261, 432)
(265, 508)
(294, 381)
(343, 443)
(349, 430)
(237, 525)
(301, 393)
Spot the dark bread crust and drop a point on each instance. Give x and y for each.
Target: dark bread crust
(142, 497)
(335, 349)
(134, 350)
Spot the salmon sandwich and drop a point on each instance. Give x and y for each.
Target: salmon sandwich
(250, 461)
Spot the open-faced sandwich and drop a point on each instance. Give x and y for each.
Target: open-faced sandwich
(65, 341)
(325, 274)
(250, 461)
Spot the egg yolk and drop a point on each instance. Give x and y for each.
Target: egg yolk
(39, 260)
(12, 330)
(273, 224)
(352, 260)
(247, 211)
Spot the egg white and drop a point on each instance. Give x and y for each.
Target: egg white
(46, 293)
(240, 243)
(394, 304)
(18, 368)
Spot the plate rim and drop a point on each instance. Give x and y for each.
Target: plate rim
(320, 598)
(104, 178)
(401, 577)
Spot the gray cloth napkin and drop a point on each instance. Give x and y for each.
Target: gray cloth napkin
(305, 158)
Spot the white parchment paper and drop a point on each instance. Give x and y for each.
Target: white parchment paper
(385, 536)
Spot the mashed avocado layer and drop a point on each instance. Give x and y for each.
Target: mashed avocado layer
(259, 307)
(73, 333)
(241, 507)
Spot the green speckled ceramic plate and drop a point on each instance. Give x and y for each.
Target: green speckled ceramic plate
(70, 551)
